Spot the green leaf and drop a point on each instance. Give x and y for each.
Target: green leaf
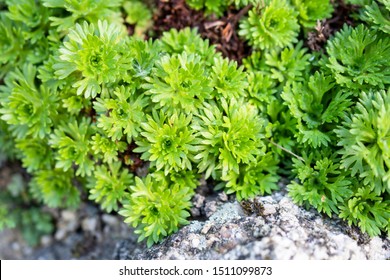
(156, 209)
(168, 142)
(109, 186)
(276, 25)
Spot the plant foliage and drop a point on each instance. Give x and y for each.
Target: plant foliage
(136, 125)
(274, 25)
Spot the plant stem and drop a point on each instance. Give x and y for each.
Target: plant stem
(284, 149)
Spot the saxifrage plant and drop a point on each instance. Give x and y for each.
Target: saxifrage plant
(136, 124)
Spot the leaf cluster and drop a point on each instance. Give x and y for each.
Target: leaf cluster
(275, 24)
(342, 108)
(104, 101)
(134, 124)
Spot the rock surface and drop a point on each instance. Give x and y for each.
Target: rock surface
(270, 227)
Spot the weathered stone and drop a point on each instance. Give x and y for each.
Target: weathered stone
(282, 230)
(89, 224)
(110, 220)
(210, 208)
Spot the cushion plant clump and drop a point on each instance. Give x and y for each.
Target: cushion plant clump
(136, 124)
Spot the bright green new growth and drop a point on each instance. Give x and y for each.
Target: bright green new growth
(156, 208)
(310, 11)
(110, 186)
(121, 115)
(168, 142)
(179, 82)
(93, 53)
(71, 142)
(28, 109)
(134, 125)
(272, 26)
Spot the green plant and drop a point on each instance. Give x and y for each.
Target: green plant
(168, 142)
(219, 7)
(364, 139)
(120, 115)
(55, 188)
(109, 186)
(378, 15)
(358, 58)
(188, 40)
(228, 80)
(275, 25)
(138, 15)
(70, 12)
(94, 54)
(286, 65)
(228, 136)
(317, 105)
(321, 183)
(258, 177)
(368, 211)
(71, 142)
(133, 125)
(211, 6)
(310, 11)
(24, 29)
(28, 109)
(6, 143)
(156, 208)
(106, 116)
(179, 82)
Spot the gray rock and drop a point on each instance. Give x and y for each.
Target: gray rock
(110, 220)
(46, 240)
(278, 229)
(210, 208)
(89, 224)
(223, 196)
(270, 227)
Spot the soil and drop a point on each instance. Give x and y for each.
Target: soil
(317, 38)
(221, 32)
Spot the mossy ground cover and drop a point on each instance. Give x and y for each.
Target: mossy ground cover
(129, 104)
